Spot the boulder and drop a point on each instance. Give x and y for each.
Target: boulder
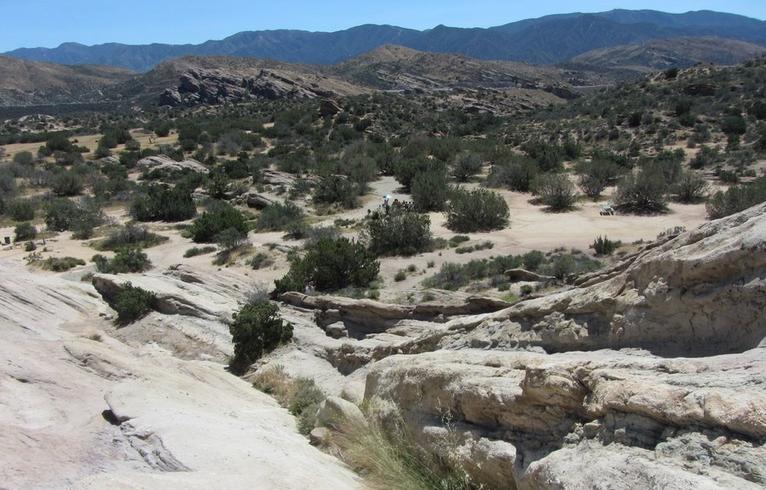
(338, 414)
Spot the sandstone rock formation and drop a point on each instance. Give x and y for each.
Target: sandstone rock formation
(80, 409)
(163, 163)
(575, 412)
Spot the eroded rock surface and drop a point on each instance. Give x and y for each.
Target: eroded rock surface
(80, 409)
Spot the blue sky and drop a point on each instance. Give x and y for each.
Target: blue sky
(32, 23)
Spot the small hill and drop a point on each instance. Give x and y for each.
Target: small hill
(29, 82)
(668, 53)
(398, 67)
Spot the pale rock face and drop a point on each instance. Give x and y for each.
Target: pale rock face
(86, 411)
(166, 164)
(548, 401)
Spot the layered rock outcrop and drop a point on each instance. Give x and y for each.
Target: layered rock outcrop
(588, 388)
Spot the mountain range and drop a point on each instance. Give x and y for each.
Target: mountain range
(546, 40)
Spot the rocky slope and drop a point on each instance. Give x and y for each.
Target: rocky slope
(28, 82)
(667, 53)
(83, 405)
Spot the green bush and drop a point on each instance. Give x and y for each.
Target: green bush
(400, 232)
(79, 217)
(132, 303)
(330, 265)
(130, 236)
(336, 190)
(466, 166)
(24, 231)
(20, 210)
(533, 260)
(517, 174)
(690, 187)
(61, 264)
(279, 216)
(161, 203)
(126, 260)
(604, 246)
(556, 191)
(642, 192)
(305, 403)
(736, 199)
(563, 266)
(66, 184)
(218, 217)
(260, 260)
(430, 190)
(257, 329)
(596, 175)
(400, 276)
(477, 210)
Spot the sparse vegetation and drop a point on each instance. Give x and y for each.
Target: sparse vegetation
(126, 260)
(400, 232)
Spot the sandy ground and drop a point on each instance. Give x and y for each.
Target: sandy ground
(91, 142)
(531, 227)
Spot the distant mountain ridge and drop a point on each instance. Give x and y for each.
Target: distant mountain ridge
(546, 40)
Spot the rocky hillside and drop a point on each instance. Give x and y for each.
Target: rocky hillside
(398, 68)
(668, 53)
(550, 39)
(28, 82)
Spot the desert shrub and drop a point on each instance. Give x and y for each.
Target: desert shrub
(130, 236)
(400, 276)
(406, 169)
(458, 239)
(257, 329)
(734, 124)
(24, 231)
(304, 403)
(230, 239)
(67, 183)
(604, 246)
(430, 190)
(126, 260)
(195, 251)
(518, 174)
(399, 232)
(279, 216)
(24, 158)
(690, 187)
(549, 157)
(313, 235)
(218, 217)
(132, 303)
(477, 210)
(562, 266)
(331, 265)
(336, 190)
(533, 260)
(736, 199)
(706, 156)
(260, 260)
(79, 217)
(61, 264)
(596, 175)
(642, 192)
(556, 191)
(20, 210)
(30, 247)
(161, 203)
(466, 166)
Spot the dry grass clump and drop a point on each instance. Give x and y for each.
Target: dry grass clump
(388, 456)
(300, 396)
